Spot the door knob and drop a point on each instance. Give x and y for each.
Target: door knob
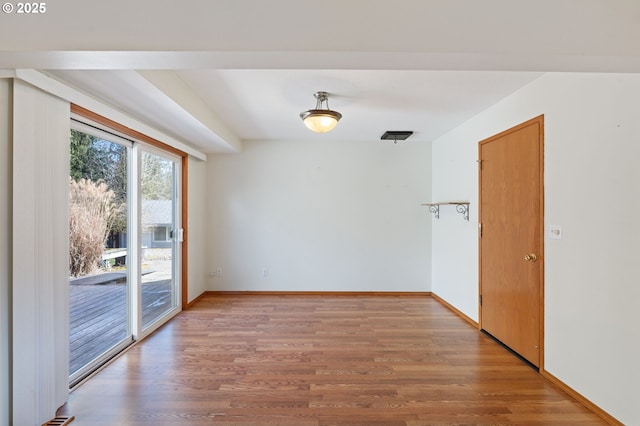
(531, 257)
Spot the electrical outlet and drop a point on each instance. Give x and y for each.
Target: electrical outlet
(219, 272)
(265, 272)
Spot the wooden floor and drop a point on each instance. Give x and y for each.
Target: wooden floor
(320, 360)
(98, 316)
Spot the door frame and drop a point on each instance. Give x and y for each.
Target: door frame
(539, 120)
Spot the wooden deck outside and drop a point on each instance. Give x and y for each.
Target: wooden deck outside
(98, 315)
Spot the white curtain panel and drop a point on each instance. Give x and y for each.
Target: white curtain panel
(40, 254)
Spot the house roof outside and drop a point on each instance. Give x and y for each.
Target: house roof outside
(157, 212)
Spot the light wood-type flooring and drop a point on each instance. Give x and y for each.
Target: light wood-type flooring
(320, 360)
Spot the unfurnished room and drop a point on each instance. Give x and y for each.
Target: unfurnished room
(355, 212)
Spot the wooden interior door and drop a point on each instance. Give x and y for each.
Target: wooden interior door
(511, 238)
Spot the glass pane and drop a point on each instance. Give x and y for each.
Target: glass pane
(98, 252)
(158, 247)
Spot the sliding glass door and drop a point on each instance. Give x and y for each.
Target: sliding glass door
(99, 253)
(160, 235)
(125, 235)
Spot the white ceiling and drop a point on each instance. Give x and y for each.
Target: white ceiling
(213, 73)
(265, 104)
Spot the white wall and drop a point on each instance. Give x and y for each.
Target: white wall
(197, 238)
(6, 103)
(592, 189)
(40, 291)
(320, 216)
(454, 240)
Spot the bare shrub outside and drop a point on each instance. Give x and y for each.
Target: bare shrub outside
(92, 211)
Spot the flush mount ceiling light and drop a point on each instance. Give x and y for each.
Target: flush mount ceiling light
(321, 120)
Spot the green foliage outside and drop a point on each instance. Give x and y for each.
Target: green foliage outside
(98, 199)
(98, 190)
(97, 160)
(157, 178)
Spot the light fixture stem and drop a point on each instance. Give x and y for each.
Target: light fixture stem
(322, 97)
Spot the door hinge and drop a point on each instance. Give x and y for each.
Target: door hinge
(480, 300)
(479, 164)
(480, 229)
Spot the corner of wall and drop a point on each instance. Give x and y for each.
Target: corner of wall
(197, 226)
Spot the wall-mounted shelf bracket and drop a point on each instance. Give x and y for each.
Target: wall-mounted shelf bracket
(462, 207)
(435, 209)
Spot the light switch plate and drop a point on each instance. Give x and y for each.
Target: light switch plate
(555, 232)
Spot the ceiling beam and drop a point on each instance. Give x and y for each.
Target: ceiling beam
(172, 60)
(178, 91)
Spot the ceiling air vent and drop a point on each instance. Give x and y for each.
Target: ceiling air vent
(396, 135)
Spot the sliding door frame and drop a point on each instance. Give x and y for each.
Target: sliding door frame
(176, 258)
(78, 125)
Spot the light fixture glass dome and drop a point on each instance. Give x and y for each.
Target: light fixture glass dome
(320, 120)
